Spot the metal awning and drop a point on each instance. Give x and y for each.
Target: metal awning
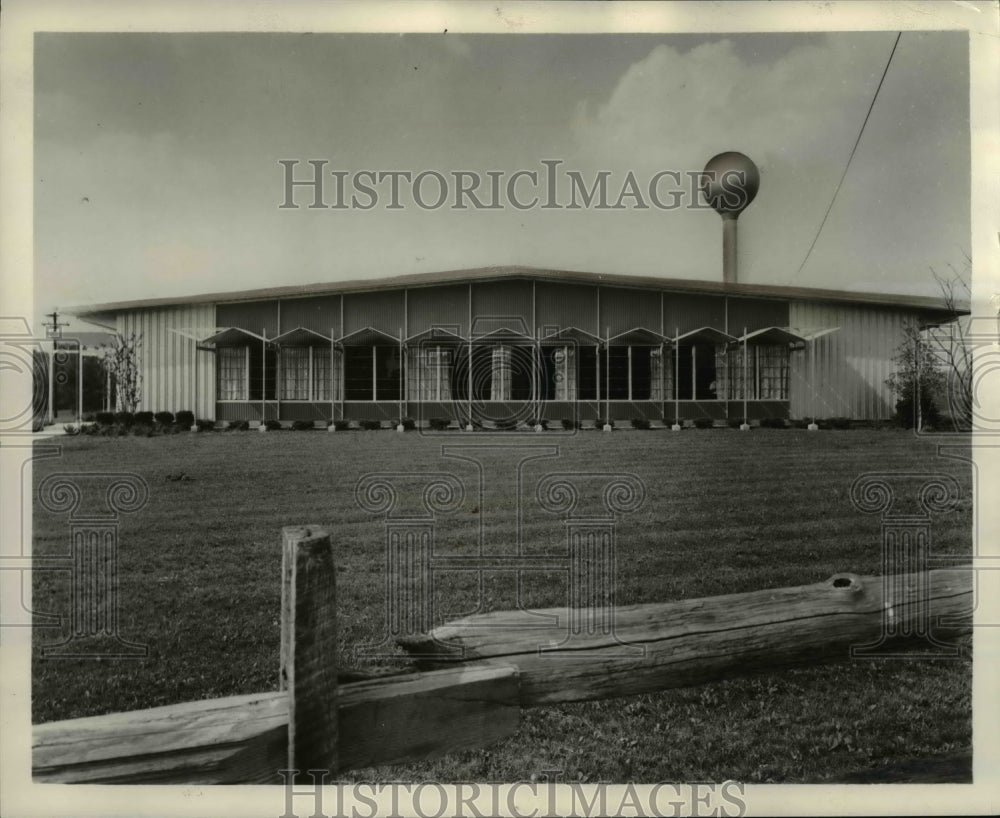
(503, 334)
(638, 336)
(706, 335)
(771, 335)
(574, 335)
(231, 336)
(368, 337)
(301, 336)
(813, 334)
(440, 335)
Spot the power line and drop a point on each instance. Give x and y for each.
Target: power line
(853, 151)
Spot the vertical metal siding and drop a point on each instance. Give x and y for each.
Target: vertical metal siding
(382, 310)
(852, 364)
(438, 306)
(689, 312)
(502, 299)
(167, 355)
(756, 313)
(255, 316)
(321, 314)
(566, 305)
(624, 309)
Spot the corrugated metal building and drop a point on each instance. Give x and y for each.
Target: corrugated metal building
(514, 344)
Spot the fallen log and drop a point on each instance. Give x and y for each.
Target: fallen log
(244, 739)
(677, 644)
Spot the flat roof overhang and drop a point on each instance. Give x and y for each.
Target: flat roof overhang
(741, 290)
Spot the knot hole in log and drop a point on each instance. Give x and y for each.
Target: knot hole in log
(850, 583)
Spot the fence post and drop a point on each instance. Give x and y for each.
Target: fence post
(309, 647)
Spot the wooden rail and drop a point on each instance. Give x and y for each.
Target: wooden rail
(495, 664)
(248, 739)
(677, 644)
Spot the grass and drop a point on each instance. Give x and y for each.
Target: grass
(725, 512)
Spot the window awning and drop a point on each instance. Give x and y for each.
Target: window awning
(572, 334)
(706, 335)
(440, 335)
(813, 334)
(639, 336)
(300, 336)
(771, 335)
(231, 336)
(368, 337)
(503, 334)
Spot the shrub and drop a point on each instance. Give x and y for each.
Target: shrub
(570, 423)
(143, 429)
(371, 425)
(238, 425)
(409, 424)
(538, 422)
(164, 418)
(184, 418)
(303, 425)
(144, 418)
(835, 423)
(439, 424)
(341, 425)
(124, 418)
(205, 425)
(88, 417)
(71, 429)
(640, 423)
(91, 428)
(105, 418)
(272, 425)
(773, 423)
(735, 423)
(703, 423)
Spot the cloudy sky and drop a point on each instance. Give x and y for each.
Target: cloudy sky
(156, 155)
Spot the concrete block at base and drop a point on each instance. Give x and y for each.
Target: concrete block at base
(812, 427)
(332, 427)
(744, 427)
(608, 427)
(675, 428)
(400, 428)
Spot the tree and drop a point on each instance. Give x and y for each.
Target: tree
(916, 368)
(121, 361)
(940, 357)
(950, 347)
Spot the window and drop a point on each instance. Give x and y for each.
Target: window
(263, 373)
(697, 373)
(305, 373)
(766, 371)
(586, 373)
(295, 373)
(321, 365)
(231, 366)
(429, 372)
(629, 374)
(371, 373)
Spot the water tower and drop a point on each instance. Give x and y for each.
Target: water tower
(729, 183)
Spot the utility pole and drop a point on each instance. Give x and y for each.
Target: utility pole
(53, 331)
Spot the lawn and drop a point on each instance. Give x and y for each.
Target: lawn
(725, 511)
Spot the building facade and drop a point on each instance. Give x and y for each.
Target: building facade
(512, 345)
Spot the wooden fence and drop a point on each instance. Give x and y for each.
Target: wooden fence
(487, 668)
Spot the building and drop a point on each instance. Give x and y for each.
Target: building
(512, 344)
